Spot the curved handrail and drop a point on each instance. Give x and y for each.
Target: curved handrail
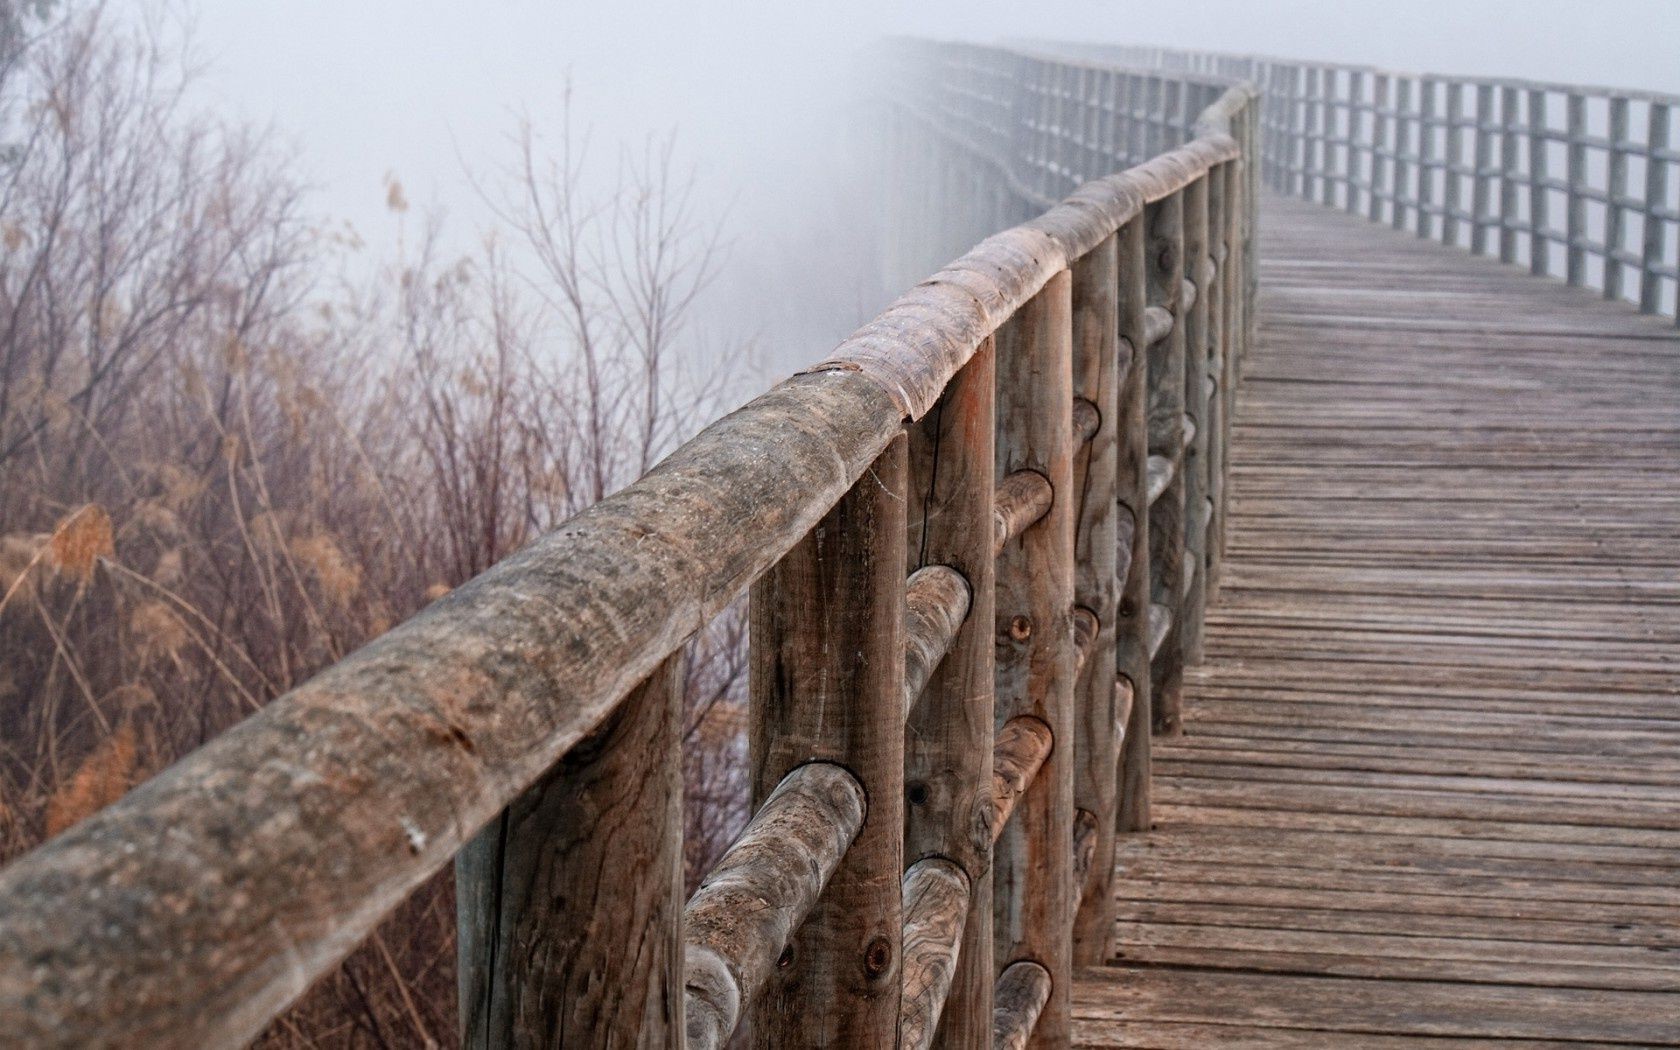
(206, 900)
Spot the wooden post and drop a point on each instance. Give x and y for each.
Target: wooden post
(569, 903)
(1193, 462)
(1539, 225)
(1481, 208)
(1166, 439)
(1510, 178)
(1427, 164)
(1096, 288)
(1033, 863)
(1219, 337)
(1131, 643)
(1576, 265)
(1656, 189)
(948, 738)
(827, 685)
(1380, 155)
(1453, 206)
(1351, 138)
(1402, 146)
(1615, 215)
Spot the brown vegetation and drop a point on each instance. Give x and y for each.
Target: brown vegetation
(217, 475)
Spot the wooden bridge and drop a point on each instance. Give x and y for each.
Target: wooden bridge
(1378, 535)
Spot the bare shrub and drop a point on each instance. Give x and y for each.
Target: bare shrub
(218, 476)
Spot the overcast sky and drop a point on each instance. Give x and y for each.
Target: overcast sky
(754, 87)
(371, 86)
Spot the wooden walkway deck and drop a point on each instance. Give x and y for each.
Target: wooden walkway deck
(1429, 787)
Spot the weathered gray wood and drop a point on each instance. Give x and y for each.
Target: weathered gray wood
(1615, 210)
(1656, 194)
(948, 739)
(936, 906)
(1165, 255)
(1034, 652)
(1023, 743)
(570, 902)
(936, 602)
(827, 683)
(1194, 437)
(749, 907)
(1024, 991)
(1096, 583)
(1023, 498)
(1131, 646)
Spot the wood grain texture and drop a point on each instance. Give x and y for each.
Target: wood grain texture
(936, 905)
(1131, 616)
(371, 776)
(570, 903)
(1096, 582)
(1034, 650)
(948, 739)
(748, 908)
(1023, 991)
(1164, 259)
(1428, 792)
(827, 683)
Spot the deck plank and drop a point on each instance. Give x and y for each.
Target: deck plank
(1428, 791)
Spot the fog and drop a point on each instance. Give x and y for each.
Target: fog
(759, 94)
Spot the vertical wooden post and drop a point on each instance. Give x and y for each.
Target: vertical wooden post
(1402, 146)
(1577, 176)
(1615, 215)
(1510, 178)
(570, 903)
(1095, 353)
(1381, 157)
(1455, 174)
(1166, 441)
(1219, 336)
(1033, 862)
(827, 669)
(1481, 223)
(1539, 224)
(1428, 162)
(1131, 643)
(1191, 599)
(1656, 189)
(948, 737)
(1327, 137)
(1351, 138)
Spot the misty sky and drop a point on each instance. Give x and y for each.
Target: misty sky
(755, 87)
(402, 85)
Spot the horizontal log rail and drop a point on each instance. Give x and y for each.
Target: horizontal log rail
(961, 535)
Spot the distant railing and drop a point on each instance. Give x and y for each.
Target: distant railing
(977, 540)
(1569, 180)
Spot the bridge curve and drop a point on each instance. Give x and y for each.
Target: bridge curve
(1428, 791)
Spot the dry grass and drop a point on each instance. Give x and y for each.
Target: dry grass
(216, 477)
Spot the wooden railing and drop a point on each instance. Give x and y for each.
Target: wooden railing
(1569, 180)
(977, 540)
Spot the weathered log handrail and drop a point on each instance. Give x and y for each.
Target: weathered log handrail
(952, 545)
(1533, 173)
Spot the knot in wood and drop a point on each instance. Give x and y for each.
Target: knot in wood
(877, 957)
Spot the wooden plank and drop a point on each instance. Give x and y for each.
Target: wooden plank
(1428, 790)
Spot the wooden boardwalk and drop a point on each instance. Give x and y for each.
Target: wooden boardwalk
(1429, 787)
